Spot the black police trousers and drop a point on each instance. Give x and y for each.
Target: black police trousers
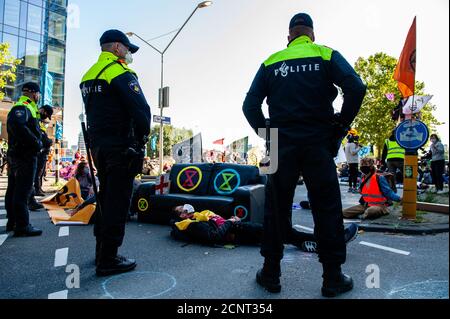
(320, 176)
(40, 171)
(21, 174)
(116, 187)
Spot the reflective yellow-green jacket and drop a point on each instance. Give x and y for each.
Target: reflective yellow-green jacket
(117, 111)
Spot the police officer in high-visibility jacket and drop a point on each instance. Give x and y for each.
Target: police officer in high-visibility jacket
(118, 120)
(298, 83)
(24, 144)
(45, 113)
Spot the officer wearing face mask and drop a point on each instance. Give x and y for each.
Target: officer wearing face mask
(24, 144)
(118, 125)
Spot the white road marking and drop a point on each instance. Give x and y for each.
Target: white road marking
(304, 228)
(61, 257)
(352, 221)
(2, 212)
(2, 239)
(393, 250)
(58, 295)
(3, 222)
(63, 232)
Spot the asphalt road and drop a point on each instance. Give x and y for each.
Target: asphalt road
(35, 268)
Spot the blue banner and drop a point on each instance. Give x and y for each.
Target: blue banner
(59, 131)
(47, 86)
(154, 140)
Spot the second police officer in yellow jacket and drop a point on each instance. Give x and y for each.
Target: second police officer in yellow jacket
(118, 120)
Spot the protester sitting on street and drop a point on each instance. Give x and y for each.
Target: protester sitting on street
(83, 176)
(376, 194)
(210, 229)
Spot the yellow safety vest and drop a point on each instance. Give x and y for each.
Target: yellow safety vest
(395, 151)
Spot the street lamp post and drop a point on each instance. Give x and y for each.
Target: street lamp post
(201, 5)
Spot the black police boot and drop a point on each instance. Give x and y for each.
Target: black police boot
(335, 282)
(110, 263)
(28, 231)
(269, 276)
(35, 206)
(40, 192)
(9, 227)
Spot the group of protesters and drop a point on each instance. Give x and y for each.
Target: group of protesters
(432, 169)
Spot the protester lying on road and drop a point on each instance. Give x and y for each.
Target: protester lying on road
(210, 229)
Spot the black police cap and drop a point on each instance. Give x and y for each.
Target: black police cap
(31, 87)
(48, 109)
(111, 36)
(301, 19)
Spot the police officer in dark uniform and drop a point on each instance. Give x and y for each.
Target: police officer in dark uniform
(299, 85)
(45, 113)
(24, 145)
(118, 119)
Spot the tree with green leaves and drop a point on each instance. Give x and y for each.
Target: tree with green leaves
(8, 65)
(172, 136)
(374, 122)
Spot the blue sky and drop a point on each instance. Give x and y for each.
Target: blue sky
(211, 65)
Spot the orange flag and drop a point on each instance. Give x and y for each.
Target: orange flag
(405, 73)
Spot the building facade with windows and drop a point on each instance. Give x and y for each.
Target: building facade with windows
(36, 32)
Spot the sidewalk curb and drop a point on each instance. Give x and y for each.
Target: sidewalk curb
(408, 230)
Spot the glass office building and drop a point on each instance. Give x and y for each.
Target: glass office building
(36, 32)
